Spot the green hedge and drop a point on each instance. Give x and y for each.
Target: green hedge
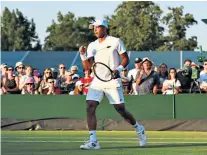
(188, 106)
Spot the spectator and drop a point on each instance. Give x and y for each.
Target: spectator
(163, 75)
(4, 70)
(86, 80)
(10, 83)
(61, 74)
(28, 74)
(29, 86)
(187, 62)
(37, 81)
(19, 68)
(148, 80)
(195, 71)
(172, 84)
(134, 73)
(126, 81)
(43, 84)
(69, 85)
(74, 69)
(75, 77)
(51, 89)
(78, 88)
(203, 77)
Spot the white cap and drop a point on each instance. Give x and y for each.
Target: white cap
(146, 59)
(18, 64)
(102, 22)
(78, 83)
(52, 69)
(3, 65)
(75, 76)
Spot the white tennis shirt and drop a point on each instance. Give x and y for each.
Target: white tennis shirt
(108, 53)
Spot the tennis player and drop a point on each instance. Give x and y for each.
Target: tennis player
(108, 50)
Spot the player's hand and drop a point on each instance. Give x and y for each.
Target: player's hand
(116, 74)
(82, 50)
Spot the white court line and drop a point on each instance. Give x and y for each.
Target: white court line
(100, 142)
(101, 138)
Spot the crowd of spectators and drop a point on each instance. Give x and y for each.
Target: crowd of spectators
(144, 78)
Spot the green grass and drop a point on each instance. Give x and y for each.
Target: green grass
(112, 143)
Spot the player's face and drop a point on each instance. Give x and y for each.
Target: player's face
(99, 31)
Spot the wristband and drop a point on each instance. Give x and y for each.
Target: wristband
(83, 57)
(120, 68)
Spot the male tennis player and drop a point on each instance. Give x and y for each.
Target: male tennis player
(108, 50)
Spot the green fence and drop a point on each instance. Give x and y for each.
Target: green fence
(188, 106)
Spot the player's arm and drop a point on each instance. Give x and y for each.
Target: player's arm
(86, 62)
(125, 59)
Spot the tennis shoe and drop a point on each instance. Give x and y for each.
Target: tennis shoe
(90, 145)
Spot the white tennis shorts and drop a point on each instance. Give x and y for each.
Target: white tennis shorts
(114, 95)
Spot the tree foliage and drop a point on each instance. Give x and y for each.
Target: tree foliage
(17, 32)
(178, 24)
(68, 33)
(137, 24)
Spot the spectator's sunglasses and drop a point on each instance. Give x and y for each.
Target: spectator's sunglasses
(62, 67)
(48, 72)
(10, 69)
(29, 84)
(50, 81)
(20, 67)
(75, 70)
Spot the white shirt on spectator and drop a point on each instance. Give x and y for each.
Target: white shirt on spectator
(108, 53)
(203, 79)
(133, 73)
(170, 84)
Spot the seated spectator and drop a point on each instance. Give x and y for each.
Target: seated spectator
(185, 75)
(126, 81)
(78, 88)
(163, 75)
(69, 85)
(51, 89)
(10, 83)
(28, 74)
(86, 80)
(37, 81)
(172, 84)
(43, 84)
(133, 75)
(74, 69)
(75, 77)
(4, 70)
(203, 77)
(148, 80)
(19, 68)
(29, 86)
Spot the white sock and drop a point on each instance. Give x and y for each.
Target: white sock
(137, 127)
(92, 135)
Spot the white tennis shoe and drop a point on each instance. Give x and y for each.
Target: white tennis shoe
(90, 145)
(142, 137)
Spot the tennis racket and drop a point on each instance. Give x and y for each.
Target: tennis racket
(104, 72)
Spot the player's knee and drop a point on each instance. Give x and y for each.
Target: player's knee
(91, 106)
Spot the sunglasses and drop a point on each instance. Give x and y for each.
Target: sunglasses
(62, 67)
(29, 84)
(20, 67)
(48, 72)
(51, 82)
(74, 70)
(10, 70)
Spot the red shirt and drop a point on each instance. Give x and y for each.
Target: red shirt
(86, 81)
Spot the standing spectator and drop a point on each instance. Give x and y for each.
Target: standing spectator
(86, 80)
(74, 69)
(134, 73)
(51, 89)
(10, 83)
(172, 84)
(43, 85)
(19, 68)
(163, 75)
(78, 88)
(195, 71)
(28, 74)
(29, 86)
(148, 80)
(203, 77)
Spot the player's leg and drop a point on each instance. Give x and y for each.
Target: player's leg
(93, 99)
(116, 97)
